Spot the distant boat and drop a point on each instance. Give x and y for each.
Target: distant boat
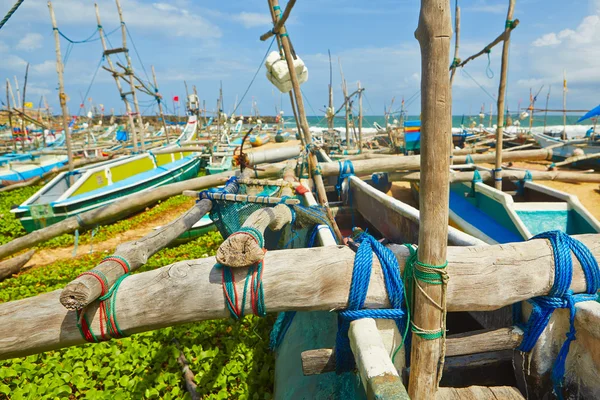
(281, 137)
(519, 212)
(572, 147)
(27, 167)
(412, 136)
(259, 139)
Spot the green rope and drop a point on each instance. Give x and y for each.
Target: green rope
(415, 271)
(111, 310)
(455, 63)
(510, 24)
(10, 13)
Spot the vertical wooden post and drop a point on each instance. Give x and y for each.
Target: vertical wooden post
(18, 103)
(61, 88)
(360, 118)
(10, 125)
(456, 41)
(118, 82)
(501, 94)
(433, 33)
(564, 135)
(23, 124)
(41, 119)
(158, 100)
(546, 111)
(330, 120)
(131, 79)
(312, 158)
(491, 114)
(346, 106)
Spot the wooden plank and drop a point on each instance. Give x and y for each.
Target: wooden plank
(479, 393)
(319, 361)
(478, 360)
(483, 278)
(115, 51)
(513, 175)
(483, 341)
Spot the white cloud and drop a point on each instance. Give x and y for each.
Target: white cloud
(30, 42)
(251, 20)
(45, 68)
(549, 39)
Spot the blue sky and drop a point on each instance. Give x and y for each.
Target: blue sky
(208, 41)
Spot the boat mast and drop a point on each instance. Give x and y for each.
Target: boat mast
(23, 127)
(564, 135)
(501, 93)
(115, 75)
(331, 116)
(10, 125)
(160, 110)
(546, 110)
(129, 71)
(360, 117)
(346, 105)
(61, 90)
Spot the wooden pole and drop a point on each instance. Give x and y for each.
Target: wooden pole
(513, 175)
(18, 103)
(501, 94)
(160, 110)
(564, 135)
(8, 108)
(23, 126)
(61, 89)
(330, 119)
(346, 105)
(312, 158)
(546, 109)
(191, 290)
(14, 265)
(131, 78)
(360, 118)
(433, 33)
(456, 41)
(117, 81)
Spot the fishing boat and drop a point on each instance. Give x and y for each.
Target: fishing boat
(520, 211)
(259, 139)
(219, 162)
(281, 136)
(89, 187)
(564, 149)
(412, 136)
(24, 169)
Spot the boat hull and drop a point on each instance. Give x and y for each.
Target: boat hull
(568, 150)
(35, 217)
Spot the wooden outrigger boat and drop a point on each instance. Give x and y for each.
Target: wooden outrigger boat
(86, 188)
(520, 211)
(566, 149)
(259, 139)
(455, 295)
(22, 170)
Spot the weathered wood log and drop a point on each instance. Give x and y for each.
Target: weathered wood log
(280, 23)
(121, 208)
(242, 250)
(398, 163)
(482, 278)
(521, 147)
(471, 150)
(320, 361)
(377, 372)
(14, 265)
(513, 175)
(483, 341)
(242, 197)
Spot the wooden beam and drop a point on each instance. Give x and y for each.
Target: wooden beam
(116, 50)
(321, 361)
(407, 163)
(501, 38)
(377, 372)
(483, 278)
(276, 29)
(479, 392)
(513, 175)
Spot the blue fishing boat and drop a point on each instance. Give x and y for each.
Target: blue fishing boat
(564, 149)
(412, 136)
(522, 210)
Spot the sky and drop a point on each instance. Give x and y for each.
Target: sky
(207, 42)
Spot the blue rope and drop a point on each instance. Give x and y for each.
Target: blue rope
(359, 286)
(280, 328)
(561, 296)
(346, 171)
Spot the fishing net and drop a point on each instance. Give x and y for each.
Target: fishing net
(230, 215)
